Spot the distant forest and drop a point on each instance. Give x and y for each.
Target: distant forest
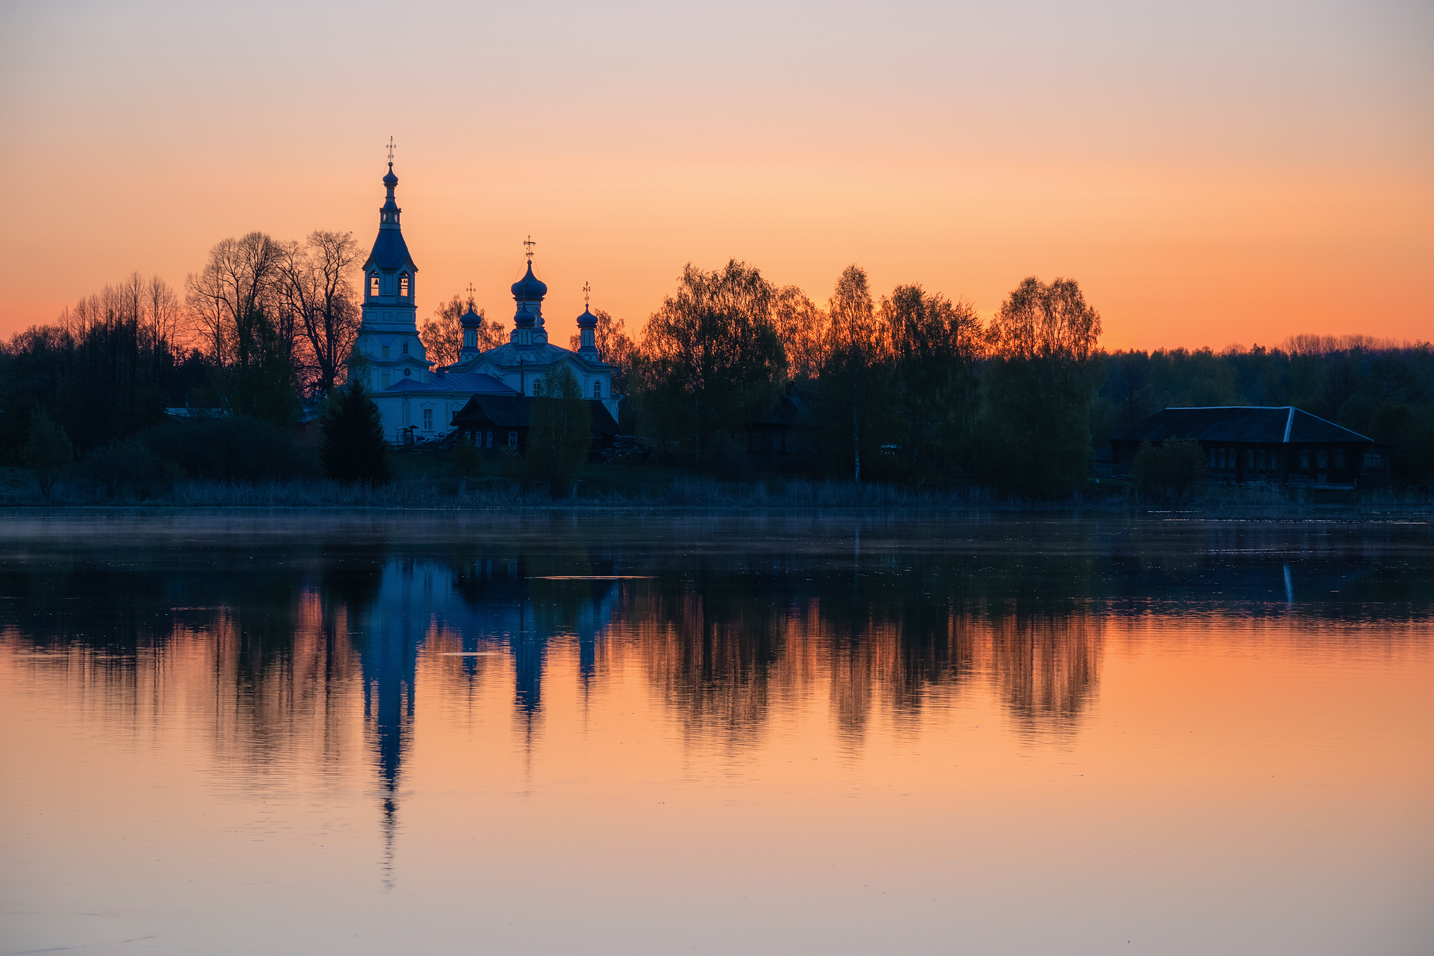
(906, 387)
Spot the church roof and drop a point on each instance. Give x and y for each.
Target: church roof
(529, 287)
(389, 251)
(470, 383)
(546, 353)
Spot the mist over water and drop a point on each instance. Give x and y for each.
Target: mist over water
(641, 732)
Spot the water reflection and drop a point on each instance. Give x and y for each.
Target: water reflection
(272, 641)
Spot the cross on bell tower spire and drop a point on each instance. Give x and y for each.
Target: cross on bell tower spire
(390, 152)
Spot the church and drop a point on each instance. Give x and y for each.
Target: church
(418, 401)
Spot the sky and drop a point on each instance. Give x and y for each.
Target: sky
(1212, 173)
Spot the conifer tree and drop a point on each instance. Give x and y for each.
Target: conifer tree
(353, 448)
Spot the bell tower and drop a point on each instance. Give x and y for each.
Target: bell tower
(388, 342)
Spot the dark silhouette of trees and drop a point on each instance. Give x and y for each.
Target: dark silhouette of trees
(239, 277)
(442, 332)
(851, 385)
(802, 326)
(47, 451)
(1036, 390)
(353, 448)
(711, 358)
(316, 285)
(932, 344)
(560, 433)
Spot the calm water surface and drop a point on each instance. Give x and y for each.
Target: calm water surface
(655, 734)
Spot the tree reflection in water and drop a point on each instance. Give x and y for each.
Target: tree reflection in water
(263, 639)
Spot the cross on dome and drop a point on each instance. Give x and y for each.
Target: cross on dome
(470, 293)
(528, 244)
(390, 151)
(587, 294)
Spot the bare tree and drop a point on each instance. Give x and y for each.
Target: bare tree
(316, 287)
(238, 280)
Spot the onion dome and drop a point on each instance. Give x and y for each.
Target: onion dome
(587, 320)
(390, 180)
(524, 319)
(471, 319)
(529, 287)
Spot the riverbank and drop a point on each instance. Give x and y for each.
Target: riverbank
(686, 492)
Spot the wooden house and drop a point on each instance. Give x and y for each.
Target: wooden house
(1276, 445)
(495, 422)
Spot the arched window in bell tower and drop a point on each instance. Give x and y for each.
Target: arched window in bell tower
(373, 286)
(403, 286)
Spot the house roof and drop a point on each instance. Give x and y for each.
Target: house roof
(788, 411)
(507, 411)
(1239, 423)
(516, 411)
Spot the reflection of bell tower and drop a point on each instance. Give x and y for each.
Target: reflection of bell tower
(390, 659)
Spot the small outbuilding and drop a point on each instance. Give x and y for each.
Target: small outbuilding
(1275, 445)
(495, 422)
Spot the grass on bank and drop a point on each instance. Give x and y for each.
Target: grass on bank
(428, 484)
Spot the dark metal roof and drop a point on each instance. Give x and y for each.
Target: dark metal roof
(529, 287)
(1239, 423)
(389, 251)
(788, 411)
(516, 411)
(443, 381)
(507, 411)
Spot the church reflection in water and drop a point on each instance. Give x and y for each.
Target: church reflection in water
(267, 646)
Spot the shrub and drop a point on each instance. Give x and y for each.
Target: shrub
(47, 451)
(1170, 469)
(228, 449)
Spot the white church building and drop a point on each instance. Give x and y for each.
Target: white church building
(418, 401)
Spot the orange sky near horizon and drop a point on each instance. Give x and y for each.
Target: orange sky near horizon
(1212, 174)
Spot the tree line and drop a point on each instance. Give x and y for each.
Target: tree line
(909, 386)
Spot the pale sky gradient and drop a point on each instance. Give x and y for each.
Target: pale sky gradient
(1212, 173)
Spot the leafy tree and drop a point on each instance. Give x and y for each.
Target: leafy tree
(47, 451)
(933, 344)
(850, 374)
(1036, 391)
(802, 325)
(560, 432)
(353, 449)
(711, 357)
(261, 380)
